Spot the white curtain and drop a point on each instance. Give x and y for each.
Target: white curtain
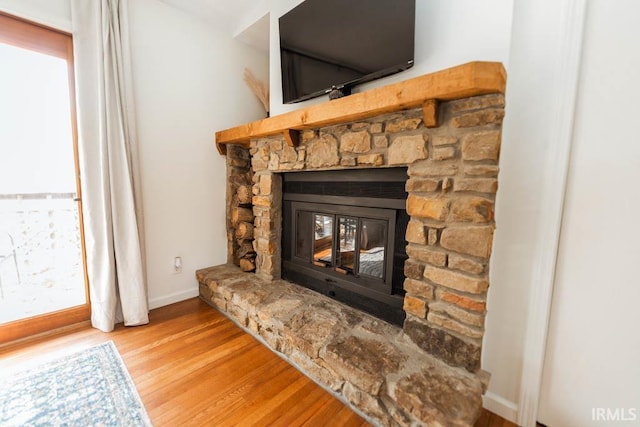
(109, 164)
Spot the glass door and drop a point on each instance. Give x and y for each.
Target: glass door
(42, 270)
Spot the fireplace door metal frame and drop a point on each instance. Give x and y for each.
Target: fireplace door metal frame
(382, 285)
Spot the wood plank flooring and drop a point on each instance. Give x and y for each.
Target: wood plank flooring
(489, 419)
(192, 366)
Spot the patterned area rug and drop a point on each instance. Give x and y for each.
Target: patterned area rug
(88, 388)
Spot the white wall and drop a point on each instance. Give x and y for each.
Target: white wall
(521, 218)
(594, 345)
(53, 13)
(448, 33)
(188, 84)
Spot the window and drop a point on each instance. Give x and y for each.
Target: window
(42, 271)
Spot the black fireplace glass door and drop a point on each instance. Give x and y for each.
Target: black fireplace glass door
(346, 244)
(323, 240)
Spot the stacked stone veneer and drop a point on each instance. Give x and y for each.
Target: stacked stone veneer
(452, 184)
(240, 229)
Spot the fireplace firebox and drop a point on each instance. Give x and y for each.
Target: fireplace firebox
(344, 236)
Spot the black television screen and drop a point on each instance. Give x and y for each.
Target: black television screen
(335, 44)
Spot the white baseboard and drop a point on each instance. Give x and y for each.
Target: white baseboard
(500, 406)
(173, 298)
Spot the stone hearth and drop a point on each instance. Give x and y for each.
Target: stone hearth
(451, 150)
(367, 362)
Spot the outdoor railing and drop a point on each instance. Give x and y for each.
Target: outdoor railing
(44, 230)
(40, 254)
(37, 196)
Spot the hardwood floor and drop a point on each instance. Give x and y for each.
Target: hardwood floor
(192, 366)
(489, 419)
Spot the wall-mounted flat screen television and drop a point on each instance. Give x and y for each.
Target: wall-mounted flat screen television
(330, 45)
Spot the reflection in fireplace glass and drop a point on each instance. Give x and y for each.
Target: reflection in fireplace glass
(323, 240)
(373, 238)
(348, 229)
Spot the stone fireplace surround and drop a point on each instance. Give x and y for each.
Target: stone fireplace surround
(392, 375)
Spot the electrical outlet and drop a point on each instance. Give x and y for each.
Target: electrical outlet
(177, 265)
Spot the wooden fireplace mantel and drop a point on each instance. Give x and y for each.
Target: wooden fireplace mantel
(462, 81)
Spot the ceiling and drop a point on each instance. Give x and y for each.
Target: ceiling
(227, 13)
(233, 17)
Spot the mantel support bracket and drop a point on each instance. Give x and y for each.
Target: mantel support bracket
(292, 137)
(222, 148)
(430, 113)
